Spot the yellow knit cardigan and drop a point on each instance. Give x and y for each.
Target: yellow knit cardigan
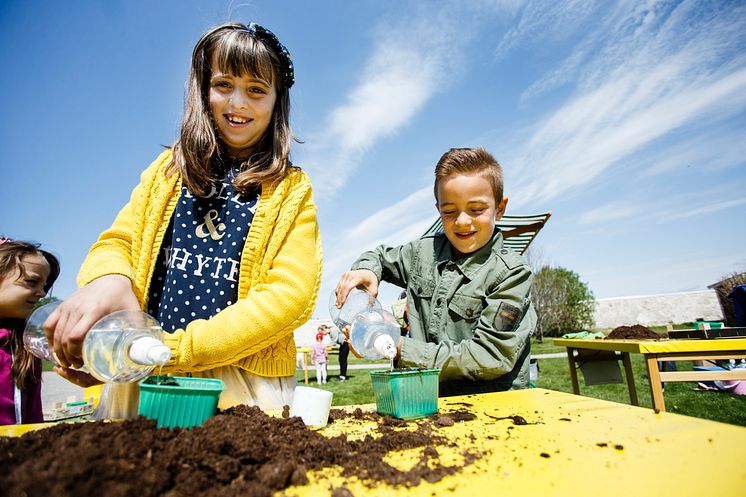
(278, 283)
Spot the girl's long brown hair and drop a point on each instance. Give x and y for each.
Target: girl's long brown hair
(11, 254)
(238, 52)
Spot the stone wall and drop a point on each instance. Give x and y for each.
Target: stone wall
(653, 310)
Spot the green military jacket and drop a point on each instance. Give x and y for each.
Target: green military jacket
(471, 317)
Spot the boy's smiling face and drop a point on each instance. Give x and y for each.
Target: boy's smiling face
(468, 210)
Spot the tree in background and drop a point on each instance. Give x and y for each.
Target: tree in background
(563, 302)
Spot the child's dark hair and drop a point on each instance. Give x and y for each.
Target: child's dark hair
(11, 254)
(12, 251)
(239, 49)
(470, 161)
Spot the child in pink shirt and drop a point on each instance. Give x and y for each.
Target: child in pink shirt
(26, 275)
(320, 356)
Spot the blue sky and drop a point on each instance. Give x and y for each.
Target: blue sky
(627, 120)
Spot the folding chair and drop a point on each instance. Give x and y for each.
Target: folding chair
(518, 231)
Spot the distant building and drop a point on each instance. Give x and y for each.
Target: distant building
(658, 310)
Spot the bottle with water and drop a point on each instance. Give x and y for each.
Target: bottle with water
(374, 333)
(357, 301)
(122, 347)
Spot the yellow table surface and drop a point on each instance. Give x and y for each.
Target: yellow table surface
(595, 447)
(18, 430)
(655, 346)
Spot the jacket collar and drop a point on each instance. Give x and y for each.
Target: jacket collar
(469, 265)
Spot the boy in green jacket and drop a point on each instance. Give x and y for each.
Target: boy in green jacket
(468, 296)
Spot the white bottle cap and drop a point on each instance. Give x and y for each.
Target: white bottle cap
(149, 351)
(385, 345)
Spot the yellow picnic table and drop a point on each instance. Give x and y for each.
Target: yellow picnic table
(575, 446)
(655, 351)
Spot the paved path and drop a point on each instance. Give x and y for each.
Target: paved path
(54, 388)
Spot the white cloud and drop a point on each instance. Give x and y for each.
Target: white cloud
(640, 72)
(401, 222)
(609, 212)
(699, 211)
(721, 147)
(409, 64)
(653, 74)
(541, 22)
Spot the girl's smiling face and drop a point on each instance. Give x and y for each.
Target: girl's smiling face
(241, 107)
(21, 290)
(468, 211)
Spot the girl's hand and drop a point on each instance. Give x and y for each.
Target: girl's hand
(359, 278)
(68, 325)
(80, 378)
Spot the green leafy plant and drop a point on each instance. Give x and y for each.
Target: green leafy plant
(563, 302)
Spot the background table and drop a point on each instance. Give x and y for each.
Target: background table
(655, 351)
(577, 447)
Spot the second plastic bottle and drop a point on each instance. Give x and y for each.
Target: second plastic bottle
(374, 333)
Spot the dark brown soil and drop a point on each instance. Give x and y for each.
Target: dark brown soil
(238, 452)
(636, 332)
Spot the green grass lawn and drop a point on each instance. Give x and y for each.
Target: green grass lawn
(681, 398)
(546, 346)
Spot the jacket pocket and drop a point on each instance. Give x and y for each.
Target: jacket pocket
(465, 307)
(421, 287)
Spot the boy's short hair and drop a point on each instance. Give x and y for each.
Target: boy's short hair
(470, 161)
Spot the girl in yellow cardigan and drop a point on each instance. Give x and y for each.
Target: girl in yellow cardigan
(219, 240)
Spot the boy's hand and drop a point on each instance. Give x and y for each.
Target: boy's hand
(359, 278)
(346, 331)
(68, 325)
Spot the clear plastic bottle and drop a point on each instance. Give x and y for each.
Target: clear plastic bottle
(34, 339)
(122, 347)
(374, 333)
(357, 301)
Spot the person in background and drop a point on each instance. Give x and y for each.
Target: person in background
(26, 275)
(219, 240)
(320, 357)
(468, 296)
(339, 338)
(399, 311)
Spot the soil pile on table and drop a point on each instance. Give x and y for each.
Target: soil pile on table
(241, 451)
(635, 332)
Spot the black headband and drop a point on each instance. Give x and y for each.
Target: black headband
(268, 37)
